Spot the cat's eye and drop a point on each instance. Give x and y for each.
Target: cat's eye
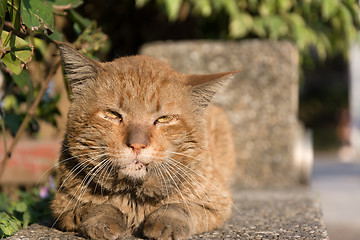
(112, 115)
(166, 119)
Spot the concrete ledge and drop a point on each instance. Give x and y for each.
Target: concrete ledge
(260, 214)
(273, 214)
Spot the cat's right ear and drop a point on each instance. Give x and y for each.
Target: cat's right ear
(204, 87)
(78, 68)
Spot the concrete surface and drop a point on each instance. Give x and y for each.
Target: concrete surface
(257, 214)
(337, 185)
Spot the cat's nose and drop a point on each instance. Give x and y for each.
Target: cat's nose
(137, 147)
(137, 138)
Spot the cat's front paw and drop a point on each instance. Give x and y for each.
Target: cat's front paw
(105, 227)
(167, 223)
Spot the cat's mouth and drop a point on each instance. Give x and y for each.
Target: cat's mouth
(139, 164)
(136, 168)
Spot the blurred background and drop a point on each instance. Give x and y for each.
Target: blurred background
(33, 116)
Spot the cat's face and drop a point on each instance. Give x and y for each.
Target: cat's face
(136, 120)
(136, 114)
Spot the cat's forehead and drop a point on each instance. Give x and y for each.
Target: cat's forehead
(140, 63)
(138, 71)
(142, 83)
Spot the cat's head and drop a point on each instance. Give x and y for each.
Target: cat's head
(136, 114)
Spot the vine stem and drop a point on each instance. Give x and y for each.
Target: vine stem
(28, 117)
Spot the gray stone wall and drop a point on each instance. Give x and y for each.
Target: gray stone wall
(262, 102)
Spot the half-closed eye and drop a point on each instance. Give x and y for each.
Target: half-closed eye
(112, 115)
(166, 119)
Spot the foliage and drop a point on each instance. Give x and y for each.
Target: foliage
(27, 31)
(8, 225)
(17, 103)
(32, 207)
(327, 25)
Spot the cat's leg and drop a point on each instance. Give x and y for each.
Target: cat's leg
(95, 221)
(63, 211)
(180, 221)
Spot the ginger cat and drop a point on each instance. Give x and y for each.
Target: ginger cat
(145, 154)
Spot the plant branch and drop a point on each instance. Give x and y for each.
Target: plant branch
(3, 130)
(28, 117)
(8, 26)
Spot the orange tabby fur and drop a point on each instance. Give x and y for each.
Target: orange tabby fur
(144, 153)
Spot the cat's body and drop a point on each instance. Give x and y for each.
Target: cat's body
(144, 153)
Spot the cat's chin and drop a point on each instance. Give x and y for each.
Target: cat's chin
(136, 169)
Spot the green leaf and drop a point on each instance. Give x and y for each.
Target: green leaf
(21, 207)
(241, 25)
(56, 35)
(26, 219)
(329, 8)
(65, 4)
(267, 7)
(8, 225)
(13, 122)
(324, 40)
(172, 8)
(23, 81)
(10, 102)
(141, 3)
(277, 27)
(321, 49)
(253, 5)
(36, 14)
(300, 37)
(3, 4)
(82, 22)
(284, 5)
(259, 27)
(346, 21)
(41, 46)
(336, 24)
(18, 52)
(353, 7)
(14, 225)
(203, 7)
(4, 217)
(217, 5)
(295, 19)
(92, 40)
(305, 37)
(231, 8)
(12, 63)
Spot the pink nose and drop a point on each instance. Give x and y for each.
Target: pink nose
(137, 147)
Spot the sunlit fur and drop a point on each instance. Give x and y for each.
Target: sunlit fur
(175, 186)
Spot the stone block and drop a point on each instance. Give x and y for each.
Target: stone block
(262, 102)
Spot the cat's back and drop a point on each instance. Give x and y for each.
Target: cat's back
(221, 145)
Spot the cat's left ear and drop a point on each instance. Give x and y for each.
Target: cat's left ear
(78, 67)
(204, 87)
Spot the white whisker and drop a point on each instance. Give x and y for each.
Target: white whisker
(207, 180)
(82, 188)
(177, 187)
(58, 163)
